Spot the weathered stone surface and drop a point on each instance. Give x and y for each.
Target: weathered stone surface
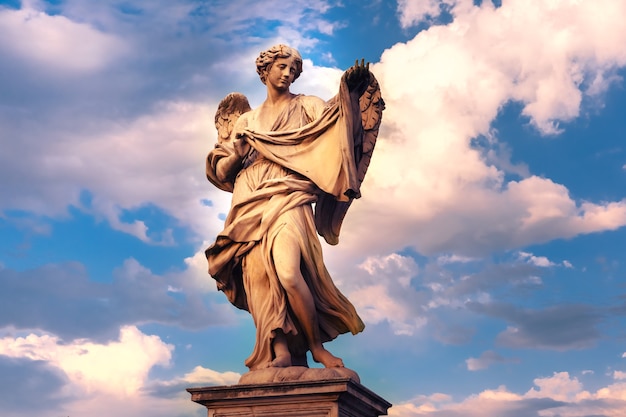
(338, 397)
(279, 160)
(296, 373)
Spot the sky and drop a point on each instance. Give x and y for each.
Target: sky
(486, 255)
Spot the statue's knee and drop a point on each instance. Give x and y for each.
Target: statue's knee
(289, 277)
(286, 256)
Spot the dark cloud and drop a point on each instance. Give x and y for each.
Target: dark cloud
(29, 387)
(561, 327)
(487, 359)
(61, 299)
(496, 276)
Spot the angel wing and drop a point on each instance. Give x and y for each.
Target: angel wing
(228, 111)
(329, 213)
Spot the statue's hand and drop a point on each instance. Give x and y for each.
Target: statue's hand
(241, 145)
(358, 76)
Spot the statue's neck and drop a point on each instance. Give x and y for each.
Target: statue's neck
(277, 97)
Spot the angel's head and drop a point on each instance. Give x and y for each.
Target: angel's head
(267, 58)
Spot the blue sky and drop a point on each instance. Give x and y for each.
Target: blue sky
(485, 256)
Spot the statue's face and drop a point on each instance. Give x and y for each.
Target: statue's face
(281, 73)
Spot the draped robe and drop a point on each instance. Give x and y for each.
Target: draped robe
(307, 153)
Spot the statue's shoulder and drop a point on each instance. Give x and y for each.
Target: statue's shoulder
(307, 100)
(313, 105)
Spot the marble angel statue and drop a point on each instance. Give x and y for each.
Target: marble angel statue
(293, 165)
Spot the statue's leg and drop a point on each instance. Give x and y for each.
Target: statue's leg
(287, 256)
(271, 347)
(282, 356)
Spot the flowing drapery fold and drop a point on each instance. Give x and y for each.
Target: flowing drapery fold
(308, 152)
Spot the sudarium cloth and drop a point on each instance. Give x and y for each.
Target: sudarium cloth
(308, 152)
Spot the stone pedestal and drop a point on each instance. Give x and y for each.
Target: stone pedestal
(337, 397)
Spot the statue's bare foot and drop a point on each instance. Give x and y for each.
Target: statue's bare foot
(326, 358)
(283, 361)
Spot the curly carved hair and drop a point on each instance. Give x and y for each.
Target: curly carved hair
(267, 58)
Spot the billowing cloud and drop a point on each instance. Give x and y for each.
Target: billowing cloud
(384, 293)
(434, 298)
(430, 186)
(142, 142)
(89, 365)
(86, 378)
(198, 377)
(540, 261)
(56, 42)
(560, 395)
(125, 126)
(446, 195)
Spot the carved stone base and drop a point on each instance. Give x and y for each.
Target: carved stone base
(297, 373)
(336, 397)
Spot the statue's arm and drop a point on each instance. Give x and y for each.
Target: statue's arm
(227, 167)
(226, 160)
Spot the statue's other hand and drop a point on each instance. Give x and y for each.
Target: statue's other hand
(241, 145)
(357, 77)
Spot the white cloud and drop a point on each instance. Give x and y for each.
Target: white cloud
(540, 261)
(419, 405)
(413, 12)
(559, 387)
(384, 293)
(156, 159)
(442, 196)
(56, 42)
(118, 368)
(201, 376)
(113, 378)
(558, 395)
(195, 276)
(428, 186)
(166, 150)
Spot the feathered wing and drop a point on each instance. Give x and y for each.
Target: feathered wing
(329, 212)
(228, 111)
